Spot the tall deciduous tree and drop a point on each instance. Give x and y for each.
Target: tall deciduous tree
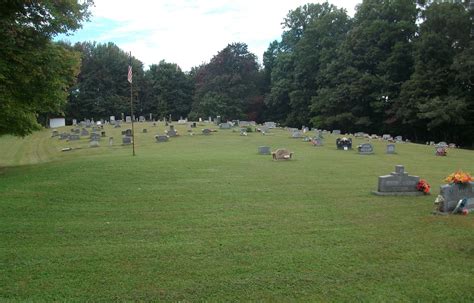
(35, 73)
(169, 91)
(228, 85)
(438, 98)
(102, 88)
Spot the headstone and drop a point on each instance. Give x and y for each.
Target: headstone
(76, 131)
(88, 123)
(55, 133)
(117, 124)
(441, 151)
(317, 141)
(94, 137)
(386, 137)
(264, 150)
(128, 119)
(161, 138)
(193, 125)
(74, 137)
(171, 132)
(270, 124)
(398, 183)
(336, 132)
(282, 154)
(74, 122)
(244, 123)
(84, 132)
(111, 141)
(453, 193)
(442, 144)
(126, 140)
(365, 149)
(144, 130)
(218, 120)
(63, 136)
(225, 125)
(390, 148)
(200, 119)
(141, 119)
(128, 132)
(206, 131)
(398, 138)
(344, 143)
(112, 118)
(182, 121)
(94, 143)
(359, 135)
(102, 133)
(296, 134)
(154, 124)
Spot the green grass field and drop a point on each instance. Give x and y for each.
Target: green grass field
(205, 218)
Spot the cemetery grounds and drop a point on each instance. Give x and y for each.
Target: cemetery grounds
(205, 218)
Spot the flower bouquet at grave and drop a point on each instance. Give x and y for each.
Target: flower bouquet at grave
(423, 186)
(458, 177)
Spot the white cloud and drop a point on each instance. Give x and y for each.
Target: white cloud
(190, 32)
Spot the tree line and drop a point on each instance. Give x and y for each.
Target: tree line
(400, 67)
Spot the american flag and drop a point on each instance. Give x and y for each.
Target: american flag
(129, 78)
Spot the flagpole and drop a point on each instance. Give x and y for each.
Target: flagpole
(131, 108)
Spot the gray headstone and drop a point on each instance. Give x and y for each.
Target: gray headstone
(398, 183)
(128, 119)
(454, 192)
(74, 122)
(128, 132)
(386, 137)
(365, 149)
(336, 132)
(390, 148)
(161, 138)
(111, 141)
(141, 119)
(74, 137)
(398, 138)
(117, 125)
(171, 132)
(297, 134)
(225, 125)
(126, 140)
(264, 150)
(94, 143)
(94, 137)
(206, 131)
(63, 136)
(84, 132)
(270, 124)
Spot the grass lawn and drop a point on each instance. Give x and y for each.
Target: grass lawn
(205, 218)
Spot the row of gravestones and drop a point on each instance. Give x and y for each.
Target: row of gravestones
(400, 183)
(363, 149)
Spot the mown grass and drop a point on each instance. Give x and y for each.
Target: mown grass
(206, 218)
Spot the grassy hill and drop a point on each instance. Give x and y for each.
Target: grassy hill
(207, 218)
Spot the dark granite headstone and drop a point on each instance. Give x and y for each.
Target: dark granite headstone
(161, 138)
(206, 131)
(344, 143)
(264, 150)
(126, 140)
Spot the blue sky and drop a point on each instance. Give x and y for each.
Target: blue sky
(188, 32)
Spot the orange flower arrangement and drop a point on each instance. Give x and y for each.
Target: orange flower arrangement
(423, 186)
(458, 177)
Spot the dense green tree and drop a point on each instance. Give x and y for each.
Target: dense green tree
(102, 88)
(371, 65)
(437, 101)
(169, 91)
(228, 85)
(35, 73)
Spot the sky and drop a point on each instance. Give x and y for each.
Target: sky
(188, 32)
